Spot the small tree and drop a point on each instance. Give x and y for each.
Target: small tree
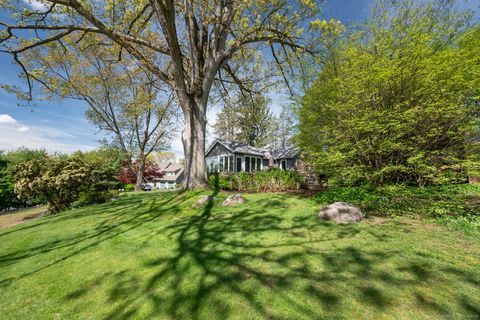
(134, 111)
(58, 180)
(151, 172)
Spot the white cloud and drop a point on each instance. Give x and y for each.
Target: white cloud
(50, 139)
(23, 129)
(5, 118)
(35, 5)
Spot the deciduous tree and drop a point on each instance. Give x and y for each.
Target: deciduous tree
(189, 45)
(397, 98)
(135, 111)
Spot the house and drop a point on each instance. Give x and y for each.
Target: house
(229, 156)
(173, 175)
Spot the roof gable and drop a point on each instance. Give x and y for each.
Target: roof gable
(237, 147)
(287, 153)
(244, 148)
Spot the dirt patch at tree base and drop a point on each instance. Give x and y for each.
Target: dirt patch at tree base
(21, 216)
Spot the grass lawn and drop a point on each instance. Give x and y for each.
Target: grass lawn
(150, 255)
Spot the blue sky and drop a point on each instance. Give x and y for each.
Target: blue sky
(62, 126)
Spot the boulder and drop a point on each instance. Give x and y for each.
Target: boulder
(234, 199)
(341, 212)
(202, 201)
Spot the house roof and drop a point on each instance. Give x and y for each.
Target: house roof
(285, 153)
(238, 147)
(177, 168)
(169, 166)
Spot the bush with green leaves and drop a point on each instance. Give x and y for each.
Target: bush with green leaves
(271, 180)
(398, 99)
(60, 180)
(445, 201)
(129, 187)
(92, 197)
(8, 161)
(7, 194)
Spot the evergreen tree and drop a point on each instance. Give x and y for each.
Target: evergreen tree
(227, 123)
(247, 119)
(286, 127)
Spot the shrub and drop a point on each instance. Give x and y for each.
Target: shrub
(60, 181)
(106, 185)
(129, 187)
(398, 101)
(270, 180)
(400, 200)
(94, 196)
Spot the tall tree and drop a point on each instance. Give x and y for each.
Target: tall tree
(189, 45)
(226, 124)
(247, 119)
(286, 127)
(135, 111)
(256, 122)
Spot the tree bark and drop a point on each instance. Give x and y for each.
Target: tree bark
(140, 171)
(193, 138)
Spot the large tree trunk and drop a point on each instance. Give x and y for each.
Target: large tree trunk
(141, 170)
(193, 138)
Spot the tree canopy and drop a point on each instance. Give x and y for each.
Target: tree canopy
(191, 46)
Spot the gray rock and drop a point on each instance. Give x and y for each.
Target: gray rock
(234, 199)
(341, 212)
(202, 201)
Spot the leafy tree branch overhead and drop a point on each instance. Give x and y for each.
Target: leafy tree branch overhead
(188, 45)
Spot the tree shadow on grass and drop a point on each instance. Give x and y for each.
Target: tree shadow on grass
(252, 262)
(127, 216)
(248, 263)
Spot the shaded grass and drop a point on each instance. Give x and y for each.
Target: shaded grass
(150, 255)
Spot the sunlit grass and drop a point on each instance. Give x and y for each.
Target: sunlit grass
(151, 255)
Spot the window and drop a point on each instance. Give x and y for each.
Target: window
(259, 164)
(230, 164)
(225, 163)
(283, 164)
(253, 163)
(220, 165)
(239, 164)
(247, 164)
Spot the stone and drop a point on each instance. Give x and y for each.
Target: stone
(234, 199)
(202, 201)
(341, 212)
